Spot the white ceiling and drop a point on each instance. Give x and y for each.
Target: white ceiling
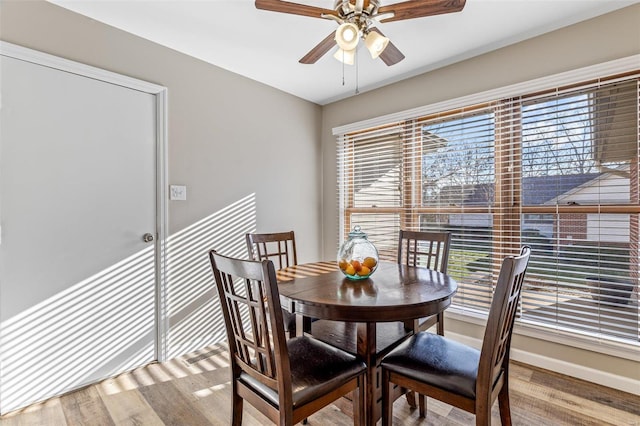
(266, 46)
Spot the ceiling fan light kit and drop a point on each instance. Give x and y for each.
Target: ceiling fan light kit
(347, 36)
(357, 18)
(376, 43)
(345, 56)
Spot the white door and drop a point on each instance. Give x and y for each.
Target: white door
(77, 194)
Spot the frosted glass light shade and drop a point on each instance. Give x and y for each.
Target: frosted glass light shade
(347, 36)
(376, 43)
(345, 56)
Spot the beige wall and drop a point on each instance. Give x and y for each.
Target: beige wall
(612, 36)
(233, 142)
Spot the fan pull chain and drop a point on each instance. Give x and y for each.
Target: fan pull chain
(357, 68)
(343, 67)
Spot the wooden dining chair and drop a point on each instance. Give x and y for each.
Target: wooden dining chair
(429, 250)
(458, 374)
(280, 247)
(286, 380)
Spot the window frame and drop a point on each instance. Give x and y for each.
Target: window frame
(508, 201)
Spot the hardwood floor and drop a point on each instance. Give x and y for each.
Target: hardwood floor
(193, 390)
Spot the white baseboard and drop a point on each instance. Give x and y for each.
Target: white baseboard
(603, 378)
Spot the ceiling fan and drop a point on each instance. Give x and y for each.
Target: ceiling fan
(357, 19)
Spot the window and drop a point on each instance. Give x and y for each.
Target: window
(556, 169)
(579, 157)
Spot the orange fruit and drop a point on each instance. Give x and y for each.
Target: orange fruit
(356, 265)
(349, 270)
(343, 264)
(369, 262)
(364, 271)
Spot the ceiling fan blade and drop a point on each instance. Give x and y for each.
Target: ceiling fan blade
(418, 8)
(318, 52)
(293, 8)
(391, 55)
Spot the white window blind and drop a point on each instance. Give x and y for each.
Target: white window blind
(371, 185)
(580, 198)
(556, 170)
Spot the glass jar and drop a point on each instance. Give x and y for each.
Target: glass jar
(357, 257)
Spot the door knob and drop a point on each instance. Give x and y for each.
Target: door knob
(147, 238)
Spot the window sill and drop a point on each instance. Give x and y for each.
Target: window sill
(584, 341)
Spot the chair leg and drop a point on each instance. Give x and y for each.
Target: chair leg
(441, 324)
(411, 398)
(422, 405)
(236, 410)
(483, 417)
(387, 402)
(503, 404)
(358, 403)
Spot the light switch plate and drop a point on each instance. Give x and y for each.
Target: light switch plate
(178, 192)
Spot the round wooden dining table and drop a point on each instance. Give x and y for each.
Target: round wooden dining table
(394, 292)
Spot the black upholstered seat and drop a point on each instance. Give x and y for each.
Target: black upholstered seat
(316, 368)
(431, 358)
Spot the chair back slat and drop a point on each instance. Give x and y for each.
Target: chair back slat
(251, 308)
(280, 247)
(426, 249)
(494, 358)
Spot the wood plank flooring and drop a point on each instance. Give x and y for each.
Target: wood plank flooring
(193, 390)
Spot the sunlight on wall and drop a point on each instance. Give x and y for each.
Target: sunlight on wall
(105, 324)
(96, 328)
(195, 318)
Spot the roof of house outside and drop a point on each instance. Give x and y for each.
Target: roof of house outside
(536, 190)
